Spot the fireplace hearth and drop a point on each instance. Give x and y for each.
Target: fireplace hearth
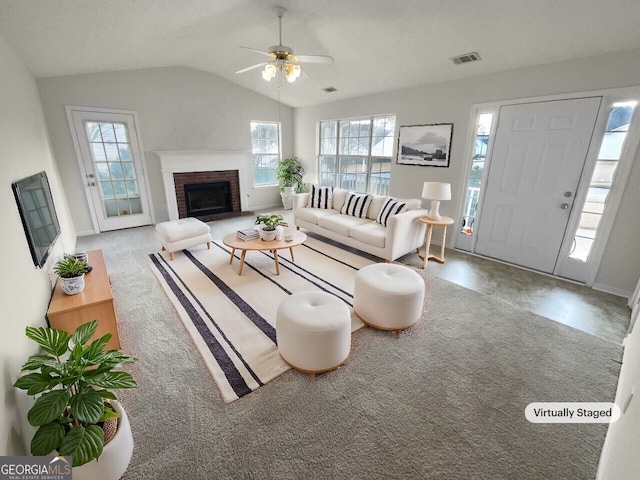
(209, 195)
(207, 198)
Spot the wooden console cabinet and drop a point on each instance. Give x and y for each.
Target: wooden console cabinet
(95, 302)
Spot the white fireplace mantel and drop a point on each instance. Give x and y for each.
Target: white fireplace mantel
(182, 161)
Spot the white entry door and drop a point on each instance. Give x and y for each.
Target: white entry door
(538, 157)
(111, 163)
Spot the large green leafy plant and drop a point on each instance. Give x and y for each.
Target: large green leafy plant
(72, 382)
(289, 173)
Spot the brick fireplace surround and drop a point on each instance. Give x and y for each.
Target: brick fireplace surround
(198, 166)
(193, 178)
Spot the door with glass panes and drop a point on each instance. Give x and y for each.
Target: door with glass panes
(111, 160)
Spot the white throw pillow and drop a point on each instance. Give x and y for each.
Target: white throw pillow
(320, 197)
(390, 208)
(339, 196)
(356, 204)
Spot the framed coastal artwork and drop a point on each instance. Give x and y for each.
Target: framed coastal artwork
(425, 145)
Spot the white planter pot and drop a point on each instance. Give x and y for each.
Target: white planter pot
(74, 285)
(287, 198)
(268, 235)
(115, 457)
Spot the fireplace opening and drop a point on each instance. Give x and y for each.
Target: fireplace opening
(207, 198)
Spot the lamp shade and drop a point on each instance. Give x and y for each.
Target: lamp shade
(436, 191)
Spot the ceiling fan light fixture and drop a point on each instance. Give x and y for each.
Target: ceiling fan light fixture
(269, 72)
(292, 72)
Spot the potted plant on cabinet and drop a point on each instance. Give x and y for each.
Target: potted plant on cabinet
(289, 175)
(71, 272)
(268, 223)
(75, 406)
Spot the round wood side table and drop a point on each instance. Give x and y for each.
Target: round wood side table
(444, 222)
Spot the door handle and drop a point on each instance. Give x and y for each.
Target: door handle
(92, 184)
(568, 194)
(564, 206)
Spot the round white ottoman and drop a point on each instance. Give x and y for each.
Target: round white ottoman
(313, 331)
(388, 296)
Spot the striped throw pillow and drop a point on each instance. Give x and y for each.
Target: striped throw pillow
(391, 207)
(320, 197)
(356, 204)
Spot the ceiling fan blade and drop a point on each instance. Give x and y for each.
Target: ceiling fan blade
(314, 59)
(257, 51)
(258, 65)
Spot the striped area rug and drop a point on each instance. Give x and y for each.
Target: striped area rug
(231, 318)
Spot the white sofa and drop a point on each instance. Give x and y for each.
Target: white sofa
(402, 234)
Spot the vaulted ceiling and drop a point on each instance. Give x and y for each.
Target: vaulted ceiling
(377, 45)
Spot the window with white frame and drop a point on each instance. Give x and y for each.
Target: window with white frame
(265, 147)
(477, 168)
(356, 153)
(602, 179)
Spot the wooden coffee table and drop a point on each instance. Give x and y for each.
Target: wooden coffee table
(236, 243)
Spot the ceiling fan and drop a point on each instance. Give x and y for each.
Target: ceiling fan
(281, 57)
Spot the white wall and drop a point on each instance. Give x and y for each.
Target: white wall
(178, 109)
(24, 290)
(452, 103)
(620, 456)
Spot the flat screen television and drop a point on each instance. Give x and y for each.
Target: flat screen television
(38, 214)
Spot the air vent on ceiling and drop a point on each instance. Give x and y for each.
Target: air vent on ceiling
(466, 58)
(330, 89)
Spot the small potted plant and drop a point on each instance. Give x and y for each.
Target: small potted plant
(72, 382)
(289, 175)
(269, 224)
(71, 270)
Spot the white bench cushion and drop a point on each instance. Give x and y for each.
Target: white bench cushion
(182, 229)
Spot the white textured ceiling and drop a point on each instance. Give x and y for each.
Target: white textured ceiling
(377, 45)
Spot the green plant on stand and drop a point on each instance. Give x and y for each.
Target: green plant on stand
(289, 174)
(73, 383)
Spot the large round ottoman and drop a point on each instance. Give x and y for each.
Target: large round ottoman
(313, 331)
(388, 296)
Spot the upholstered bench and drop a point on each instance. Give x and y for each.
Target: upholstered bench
(313, 331)
(183, 233)
(388, 296)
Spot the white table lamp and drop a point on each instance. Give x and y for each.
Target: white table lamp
(436, 191)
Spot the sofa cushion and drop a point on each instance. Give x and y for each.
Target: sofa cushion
(391, 207)
(356, 204)
(338, 197)
(377, 202)
(312, 215)
(341, 224)
(320, 197)
(412, 203)
(371, 233)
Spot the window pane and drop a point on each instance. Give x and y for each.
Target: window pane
(265, 146)
(121, 132)
(108, 135)
(98, 152)
(357, 141)
(93, 132)
(125, 152)
(612, 145)
(602, 179)
(619, 118)
(475, 176)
